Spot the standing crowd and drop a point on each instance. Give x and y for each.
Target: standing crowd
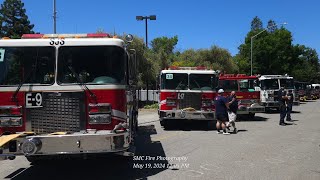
(226, 110)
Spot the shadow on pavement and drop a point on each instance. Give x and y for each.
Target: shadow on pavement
(106, 166)
(256, 118)
(190, 125)
(241, 130)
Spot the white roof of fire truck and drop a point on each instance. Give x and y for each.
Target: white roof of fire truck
(90, 39)
(189, 70)
(263, 77)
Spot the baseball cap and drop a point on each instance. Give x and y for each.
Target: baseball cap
(220, 91)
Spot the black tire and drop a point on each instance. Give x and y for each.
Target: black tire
(211, 125)
(162, 123)
(136, 125)
(251, 116)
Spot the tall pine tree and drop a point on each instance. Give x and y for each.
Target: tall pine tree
(13, 19)
(256, 24)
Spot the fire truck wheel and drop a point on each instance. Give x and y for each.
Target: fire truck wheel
(136, 125)
(251, 116)
(211, 125)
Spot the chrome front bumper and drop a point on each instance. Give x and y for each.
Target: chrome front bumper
(77, 143)
(253, 108)
(271, 104)
(187, 115)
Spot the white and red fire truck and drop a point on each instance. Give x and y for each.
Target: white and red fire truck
(187, 93)
(269, 87)
(66, 94)
(244, 86)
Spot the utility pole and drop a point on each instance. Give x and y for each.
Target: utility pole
(54, 17)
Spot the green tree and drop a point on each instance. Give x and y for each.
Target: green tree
(256, 24)
(272, 26)
(271, 51)
(13, 19)
(306, 64)
(214, 58)
(164, 47)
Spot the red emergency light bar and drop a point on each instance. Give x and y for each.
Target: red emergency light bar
(188, 68)
(235, 77)
(32, 36)
(97, 35)
(89, 35)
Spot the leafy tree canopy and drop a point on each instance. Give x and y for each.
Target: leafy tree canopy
(13, 19)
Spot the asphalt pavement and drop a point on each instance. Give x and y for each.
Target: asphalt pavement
(260, 150)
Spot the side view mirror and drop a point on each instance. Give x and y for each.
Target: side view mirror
(129, 38)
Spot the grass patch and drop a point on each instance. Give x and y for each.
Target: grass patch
(152, 106)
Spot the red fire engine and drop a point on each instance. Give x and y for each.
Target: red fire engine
(187, 93)
(66, 94)
(244, 86)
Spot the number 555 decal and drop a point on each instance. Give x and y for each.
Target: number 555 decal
(33, 100)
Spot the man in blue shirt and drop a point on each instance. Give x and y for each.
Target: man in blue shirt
(221, 105)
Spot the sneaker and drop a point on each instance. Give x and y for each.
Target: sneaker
(235, 131)
(225, 132)
(219, 132)
(282, 124)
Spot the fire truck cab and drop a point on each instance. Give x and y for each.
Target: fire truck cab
(247, 95)
(302, 90)
(67, 94)
(269, 87)
(315, 89)
(187, 93)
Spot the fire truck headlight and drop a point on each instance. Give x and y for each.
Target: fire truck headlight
(31, 146)
(171, 102)
(100, 119)
(10, 121)
(206, 104)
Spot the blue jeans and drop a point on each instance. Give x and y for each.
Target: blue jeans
(289, 110)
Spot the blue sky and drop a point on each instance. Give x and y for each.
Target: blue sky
(198, 24)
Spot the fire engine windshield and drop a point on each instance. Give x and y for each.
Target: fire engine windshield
(300, 85)
(270, 84)
(29, 65)
(201, 81)
(287, 83)
(177, 81)
(247, 85)
(93, 64)
(228, 85)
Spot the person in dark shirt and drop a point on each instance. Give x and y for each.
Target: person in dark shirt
(232, 112)
(221, 105)
(289, 105)
(282, 98)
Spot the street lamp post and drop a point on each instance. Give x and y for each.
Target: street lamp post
(141, 18)
(251, 54)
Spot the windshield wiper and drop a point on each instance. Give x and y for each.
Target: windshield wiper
(92, 95)
(14, 96)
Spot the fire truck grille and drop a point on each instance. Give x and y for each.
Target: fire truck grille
(61, 112)
(190, 100)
